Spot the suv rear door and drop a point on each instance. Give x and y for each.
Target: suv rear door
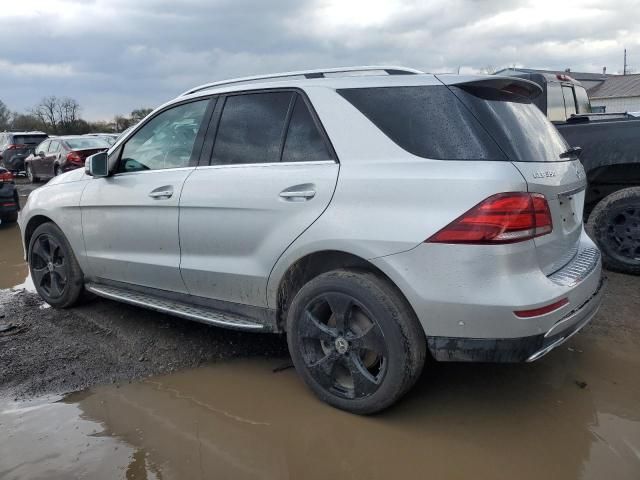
(267, 176)
(534, 146)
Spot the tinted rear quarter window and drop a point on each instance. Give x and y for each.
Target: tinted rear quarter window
(304, 142)
(519, 127)
(251, 128)
(427, 121)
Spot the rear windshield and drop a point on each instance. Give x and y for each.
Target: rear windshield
(88, 142)
(480, 124)
(28, 139)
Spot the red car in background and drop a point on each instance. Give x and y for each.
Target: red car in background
(61, 154)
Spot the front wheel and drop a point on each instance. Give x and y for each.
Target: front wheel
(57, 170)
(355, 341)
(54, 268)
(614, 224)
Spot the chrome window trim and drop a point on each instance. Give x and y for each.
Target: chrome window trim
(267, 164)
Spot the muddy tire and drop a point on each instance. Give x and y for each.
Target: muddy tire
(53, 266)
(30, 175)
(614, 224)
(355, 341)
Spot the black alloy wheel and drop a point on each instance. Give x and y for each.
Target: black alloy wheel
(342, 345)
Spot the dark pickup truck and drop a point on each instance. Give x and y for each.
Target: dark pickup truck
(611, 157)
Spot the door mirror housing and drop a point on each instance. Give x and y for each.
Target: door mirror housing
(97, 165)
(41, 154)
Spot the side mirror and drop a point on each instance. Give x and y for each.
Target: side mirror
(41, 154)
(97, 165)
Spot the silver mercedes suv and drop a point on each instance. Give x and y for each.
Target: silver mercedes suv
(376, 215)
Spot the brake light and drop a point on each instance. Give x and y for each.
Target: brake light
(6, 177)
(16, 146)
(542, 310)
(502, 218)
(74, 157)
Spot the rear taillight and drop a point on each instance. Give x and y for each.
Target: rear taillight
(16, 146)
(502, 218)
(74, 157)
(6, 177)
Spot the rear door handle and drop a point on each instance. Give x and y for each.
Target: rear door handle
(161, 193)
(299, 192)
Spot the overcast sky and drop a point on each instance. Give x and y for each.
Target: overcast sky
(117, 55)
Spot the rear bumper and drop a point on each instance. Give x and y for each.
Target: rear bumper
(524, 349)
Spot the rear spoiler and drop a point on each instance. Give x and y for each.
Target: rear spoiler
(513, 85)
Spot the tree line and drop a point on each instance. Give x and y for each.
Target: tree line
(61, 116)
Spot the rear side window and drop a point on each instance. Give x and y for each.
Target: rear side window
(427, 121)
(555, 103)
(569, 101)
(582, 100)
(251, 128)
(304, 142)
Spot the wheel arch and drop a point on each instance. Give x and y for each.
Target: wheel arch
(309, 266)
(33, 223)
(607, 179)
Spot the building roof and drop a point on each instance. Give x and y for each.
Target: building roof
(580, 76)
(617, 86)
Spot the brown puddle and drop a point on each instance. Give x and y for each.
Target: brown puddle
(13, 270)
(239, 420)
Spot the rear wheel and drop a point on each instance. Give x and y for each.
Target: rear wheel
(614, 224)
(355, 341)
(54, 268)
(57, 170)
(30, 175)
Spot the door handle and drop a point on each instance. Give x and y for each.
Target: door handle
(299, 192)
(162, 193)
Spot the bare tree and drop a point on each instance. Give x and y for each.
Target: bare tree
(140, 113)
(488, 70)
(59, 115)
(5, 116)
(46, 111)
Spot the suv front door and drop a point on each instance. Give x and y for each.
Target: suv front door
(269, 175)
(130, 219)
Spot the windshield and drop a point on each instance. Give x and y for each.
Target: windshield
(87, 143)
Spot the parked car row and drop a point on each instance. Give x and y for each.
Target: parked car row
(9, 201)
(57, 155)
(376, 215)
(17, 147)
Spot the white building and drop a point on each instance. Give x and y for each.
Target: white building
(618, 93)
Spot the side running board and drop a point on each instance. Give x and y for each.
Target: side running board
(171, 307)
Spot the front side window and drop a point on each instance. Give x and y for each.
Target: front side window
(43, 147)
(166, 141)
(304, 142)
(251, 128)
(53, 147)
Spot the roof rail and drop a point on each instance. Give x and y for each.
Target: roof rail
(319, 73)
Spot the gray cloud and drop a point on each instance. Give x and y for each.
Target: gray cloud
(116, 55)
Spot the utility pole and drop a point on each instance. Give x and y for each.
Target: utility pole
(624, 67)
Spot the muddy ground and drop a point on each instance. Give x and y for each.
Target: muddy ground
(161, 397)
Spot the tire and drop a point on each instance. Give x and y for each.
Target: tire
(333, 360)
(53, 266)
(57, 171)
(32, 178)
(614, 224)
(10, 218)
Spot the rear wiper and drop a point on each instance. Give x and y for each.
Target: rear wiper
(572, 152)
